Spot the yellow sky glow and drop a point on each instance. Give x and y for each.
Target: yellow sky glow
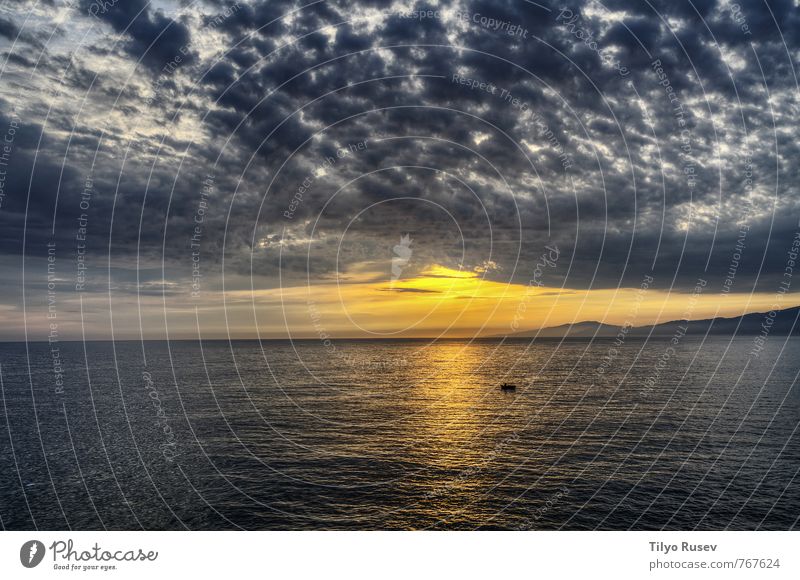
(455, 303)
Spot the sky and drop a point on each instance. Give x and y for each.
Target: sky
(333, 169)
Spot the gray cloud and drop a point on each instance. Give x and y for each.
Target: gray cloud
(551, 144)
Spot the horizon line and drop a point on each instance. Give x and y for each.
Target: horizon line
(514, 336)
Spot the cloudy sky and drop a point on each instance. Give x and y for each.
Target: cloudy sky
(378, 168)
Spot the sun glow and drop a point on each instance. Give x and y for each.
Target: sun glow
(456, 303)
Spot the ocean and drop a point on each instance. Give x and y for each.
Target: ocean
(401, 435)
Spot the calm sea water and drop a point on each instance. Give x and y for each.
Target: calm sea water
(400, 435)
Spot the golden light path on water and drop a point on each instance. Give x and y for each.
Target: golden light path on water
(459, 425)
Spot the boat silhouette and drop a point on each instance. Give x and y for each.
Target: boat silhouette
(508, 387)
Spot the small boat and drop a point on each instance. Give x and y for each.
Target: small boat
(508, 387)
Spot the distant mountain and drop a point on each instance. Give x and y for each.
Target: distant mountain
(577, 330)
(748, 324)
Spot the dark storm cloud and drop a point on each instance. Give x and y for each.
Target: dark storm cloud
(489, 130)
(153, 37)
(12, 32)
(8, 29)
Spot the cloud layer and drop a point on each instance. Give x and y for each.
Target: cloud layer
(265, 144)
